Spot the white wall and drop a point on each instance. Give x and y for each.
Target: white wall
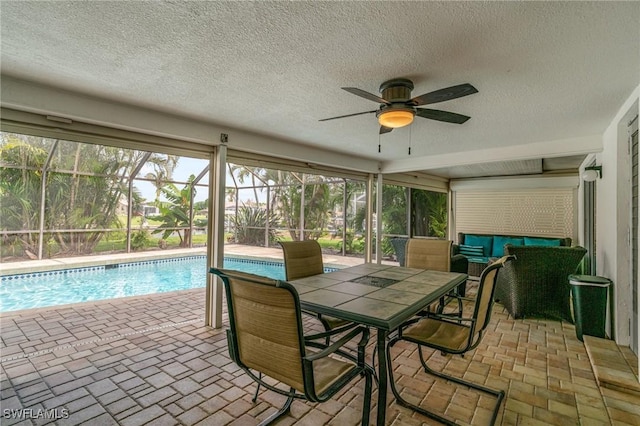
(613, 254)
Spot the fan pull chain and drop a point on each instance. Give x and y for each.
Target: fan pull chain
(379, 144)
(409, 140)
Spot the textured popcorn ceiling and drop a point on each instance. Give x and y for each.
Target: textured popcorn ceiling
(547, 72)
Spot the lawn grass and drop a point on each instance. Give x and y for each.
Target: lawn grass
(117, 242)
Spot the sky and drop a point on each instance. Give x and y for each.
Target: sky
(186, 167)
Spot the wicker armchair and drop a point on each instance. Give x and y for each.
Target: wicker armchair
(536, 284)
(265, 336)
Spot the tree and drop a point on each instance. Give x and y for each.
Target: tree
(242, 172)
(394, 212)
(200, 205)
(393, 215)
(318, 202)
(175, 212)
(163, 167)
(429, 213)
(355, 216)
(86, 185)
(317, 209)
(137, 201)
(20, 189)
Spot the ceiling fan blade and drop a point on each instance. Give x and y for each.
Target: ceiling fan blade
(348, 115)
(446, 94)
(435, 114)
(366, 95)
(384, 129)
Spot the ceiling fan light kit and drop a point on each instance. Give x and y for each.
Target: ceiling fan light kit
(396, 117)
(398, 108)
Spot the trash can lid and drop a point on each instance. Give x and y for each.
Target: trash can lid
(592, 280)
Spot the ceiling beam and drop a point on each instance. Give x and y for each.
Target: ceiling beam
(536, 150)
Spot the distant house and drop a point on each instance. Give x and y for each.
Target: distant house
(150, 210)
(123, 205)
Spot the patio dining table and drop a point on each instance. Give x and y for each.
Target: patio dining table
(377, 296)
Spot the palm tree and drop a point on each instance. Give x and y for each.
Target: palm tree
(20, 189)
(319, 196)
(85, 198)
(242, 172)
(175, 212)
(163, 167)
(429, 213)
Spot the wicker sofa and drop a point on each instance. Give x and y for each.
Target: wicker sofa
(536, 283)
(493, 247)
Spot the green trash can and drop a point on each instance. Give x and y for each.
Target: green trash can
(589, 293)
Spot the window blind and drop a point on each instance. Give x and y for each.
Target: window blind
(548, 212)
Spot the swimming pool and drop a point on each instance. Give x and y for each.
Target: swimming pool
(41, 289)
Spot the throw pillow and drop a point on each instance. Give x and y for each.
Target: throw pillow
(480, 240)
(471, 251)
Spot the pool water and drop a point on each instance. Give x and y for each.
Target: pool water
(53, 288)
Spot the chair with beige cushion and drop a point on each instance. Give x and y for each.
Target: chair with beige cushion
(304, 259)
(433, 254)
(265, 335)
(429, 254)
(459, 262)
(450, 334)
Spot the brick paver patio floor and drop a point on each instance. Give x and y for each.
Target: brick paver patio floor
(150, 360)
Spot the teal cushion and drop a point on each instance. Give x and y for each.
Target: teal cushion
(528, 241)
(477, 240)
(471, 251)
(499, 242)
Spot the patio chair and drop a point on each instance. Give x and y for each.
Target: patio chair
(434, 254)
(304, 259)
(459, 262)
(428, 254)
(265, 335)
(451, 335)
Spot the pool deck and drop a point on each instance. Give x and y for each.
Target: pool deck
(271, 253)
(149, 360)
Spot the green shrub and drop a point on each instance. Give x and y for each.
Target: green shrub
(249, 224)
(353, 244)
(140, 239)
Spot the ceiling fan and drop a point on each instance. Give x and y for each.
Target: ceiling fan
(398, 108)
